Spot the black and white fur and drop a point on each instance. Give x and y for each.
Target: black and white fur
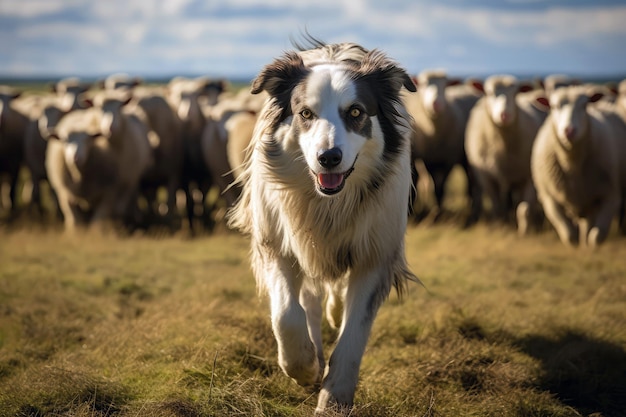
(325, 197)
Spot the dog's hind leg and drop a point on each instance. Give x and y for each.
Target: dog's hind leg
(334, 304)
(365, 292)
(297, 355)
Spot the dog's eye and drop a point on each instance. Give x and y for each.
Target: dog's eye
(306, 114)
(355, 112)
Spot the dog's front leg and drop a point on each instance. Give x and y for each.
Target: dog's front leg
(365, 293)
(296, 353)
(312, 304)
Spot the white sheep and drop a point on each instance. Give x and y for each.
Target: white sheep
(620, 102)
(579, 165)
(499, 137)
(440, 110)
(185, 96)
(13, 123)
(95, 160)
(553, 81)
(621, 96)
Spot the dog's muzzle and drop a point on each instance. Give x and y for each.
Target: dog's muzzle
(331, 183)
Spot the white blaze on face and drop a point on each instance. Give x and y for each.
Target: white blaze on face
(569, 115)
(330, 91)
(500, 113)
(432, 97)
(563, 122)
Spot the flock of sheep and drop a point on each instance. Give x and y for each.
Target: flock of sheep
(552, 148)
(108, 150)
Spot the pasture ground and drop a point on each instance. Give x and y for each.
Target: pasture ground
(141, 326)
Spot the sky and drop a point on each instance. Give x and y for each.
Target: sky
(234, 39)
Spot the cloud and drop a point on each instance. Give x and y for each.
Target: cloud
(239, 36)
(539, 28)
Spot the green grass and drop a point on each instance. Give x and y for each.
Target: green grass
(139, 326)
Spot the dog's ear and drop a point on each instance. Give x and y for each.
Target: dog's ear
(281, 76)
(382, 71)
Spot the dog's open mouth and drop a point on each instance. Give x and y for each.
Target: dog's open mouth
(332, 183)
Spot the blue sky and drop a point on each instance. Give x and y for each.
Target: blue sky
(235, 38)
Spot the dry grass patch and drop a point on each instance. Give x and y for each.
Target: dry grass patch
(503, 326)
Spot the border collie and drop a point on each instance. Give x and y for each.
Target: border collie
(325, 194)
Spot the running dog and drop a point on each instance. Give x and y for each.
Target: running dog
(325, 194)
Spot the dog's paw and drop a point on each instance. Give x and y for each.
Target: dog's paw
(305, 370)
(330, 406)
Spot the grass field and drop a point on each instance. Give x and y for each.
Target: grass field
(138, 326)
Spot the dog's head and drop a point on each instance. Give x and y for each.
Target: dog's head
(341, 111)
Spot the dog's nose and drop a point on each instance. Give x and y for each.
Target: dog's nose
(330, 158)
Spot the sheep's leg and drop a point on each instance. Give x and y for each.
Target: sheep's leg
(493, 191)
(475, 193)
(189, 205)
(440, 176)
(297, 355)
(599, 229)
(68, 210)
(528, 211)
(365, 293)
(622, 213)
(568, 233)
(172, 213)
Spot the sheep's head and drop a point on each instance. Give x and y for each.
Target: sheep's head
(500, 92)
(568, 113)
(431, 88)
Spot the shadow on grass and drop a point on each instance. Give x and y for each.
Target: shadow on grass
(585, 373)
(582, 372)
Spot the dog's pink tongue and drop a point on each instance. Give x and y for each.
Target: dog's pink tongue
(330, 181)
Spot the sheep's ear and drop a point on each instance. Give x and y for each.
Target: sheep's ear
(477, 85)
(595, 97)
(127, 99)
(453, 81)
(542, 103)
(525, 87)
(281, 76)
(415, 80)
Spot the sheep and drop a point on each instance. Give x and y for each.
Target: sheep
(214, 152)
(498, 141)
(620, 108)
(621, 96)
(579, 165)
(440, 110)
(553, 81)
(184, 96)
(168, 153)
(236, 115)
(44, 115)
(239, 128)
(71, 89)
(120, 81)
(95, 160)
(13, 123)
